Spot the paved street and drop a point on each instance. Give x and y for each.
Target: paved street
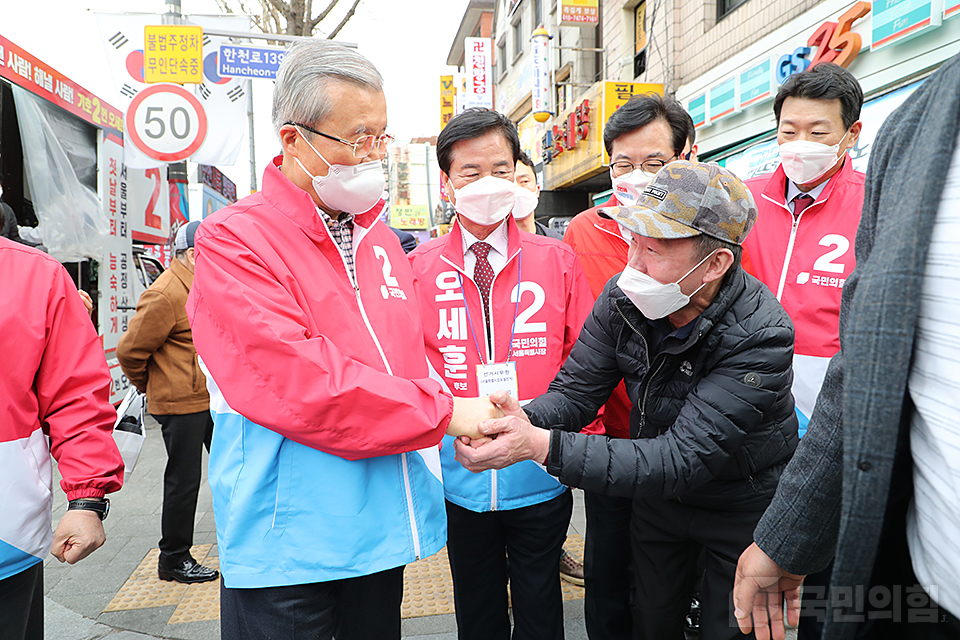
(79, 598)
(114, 592)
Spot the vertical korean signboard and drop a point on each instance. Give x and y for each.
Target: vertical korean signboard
(478, 54)
(540, 92)
(447, 94)
(116, 271)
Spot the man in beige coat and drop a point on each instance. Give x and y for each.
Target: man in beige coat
(157, 355)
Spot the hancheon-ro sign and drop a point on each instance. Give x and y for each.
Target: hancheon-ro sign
(249, 62)
(479, 79)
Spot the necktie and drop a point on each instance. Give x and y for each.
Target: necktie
(483, 276)
(801, 202)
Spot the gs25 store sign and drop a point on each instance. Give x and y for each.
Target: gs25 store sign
(834, 43)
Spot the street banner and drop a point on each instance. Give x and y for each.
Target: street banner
(478, 54)
(224, 98)
(34, 75)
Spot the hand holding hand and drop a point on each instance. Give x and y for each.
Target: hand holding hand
(514, 439)
(468, 413)
(759, 591)
(78, 534)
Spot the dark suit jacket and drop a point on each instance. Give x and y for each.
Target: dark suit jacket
(842, 491)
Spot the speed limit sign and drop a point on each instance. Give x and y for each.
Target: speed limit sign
(166, 122)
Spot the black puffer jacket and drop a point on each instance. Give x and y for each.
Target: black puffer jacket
(713, 424)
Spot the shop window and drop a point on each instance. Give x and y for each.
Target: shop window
(726, 6)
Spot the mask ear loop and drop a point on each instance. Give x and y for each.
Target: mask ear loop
(314, 150)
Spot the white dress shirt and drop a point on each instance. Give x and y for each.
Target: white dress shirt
(793, 191)
(933, 519)
(498, 251)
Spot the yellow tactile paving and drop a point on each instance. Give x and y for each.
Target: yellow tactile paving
(427, 588)
(144, 590)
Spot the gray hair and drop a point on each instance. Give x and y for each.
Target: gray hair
(300, 94)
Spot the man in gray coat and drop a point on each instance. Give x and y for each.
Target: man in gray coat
(875, 483)
(704, 352)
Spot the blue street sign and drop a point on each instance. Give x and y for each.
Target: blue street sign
(242, 61)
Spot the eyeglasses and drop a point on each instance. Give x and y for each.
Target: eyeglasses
(622, 167)
(363, 145)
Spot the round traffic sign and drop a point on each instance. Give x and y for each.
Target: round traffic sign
(166, 122)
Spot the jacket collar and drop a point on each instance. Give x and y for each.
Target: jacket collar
(776, 189)
(296, 204)
(183, 274)
(453, 244)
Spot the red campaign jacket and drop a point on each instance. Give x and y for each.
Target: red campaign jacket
(294, 346)
(805, 262)
(544, 322)
(54, 398)
(603, 254)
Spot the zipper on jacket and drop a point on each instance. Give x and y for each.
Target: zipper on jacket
(493, 490)
(646, 389)
(408, 490)
(790, 243)
(646, 357)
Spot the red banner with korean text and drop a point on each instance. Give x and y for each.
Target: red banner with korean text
(39, 78)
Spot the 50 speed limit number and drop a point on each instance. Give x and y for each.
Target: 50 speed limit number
(166, 122)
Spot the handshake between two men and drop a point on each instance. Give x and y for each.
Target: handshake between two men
(495, 433)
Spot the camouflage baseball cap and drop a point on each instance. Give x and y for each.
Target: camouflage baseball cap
(687, 199)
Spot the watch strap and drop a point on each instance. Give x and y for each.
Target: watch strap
(102, 507)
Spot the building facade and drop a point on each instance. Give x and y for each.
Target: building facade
(723, 59)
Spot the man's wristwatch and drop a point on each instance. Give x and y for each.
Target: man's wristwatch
(101, 506)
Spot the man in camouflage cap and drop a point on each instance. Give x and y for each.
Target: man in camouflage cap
(705, 353)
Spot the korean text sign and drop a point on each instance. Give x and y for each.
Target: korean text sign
(173, 53)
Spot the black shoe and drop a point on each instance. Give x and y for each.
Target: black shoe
(189, 571)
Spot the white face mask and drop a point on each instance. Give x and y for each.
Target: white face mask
(629, 187)
(351, 189)
(486, 201)
(655, 299)
(526, 203)
(804, 161)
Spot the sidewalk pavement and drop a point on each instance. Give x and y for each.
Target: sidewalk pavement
(76, 596)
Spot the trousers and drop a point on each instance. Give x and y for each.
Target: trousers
(361, 608)
(21, 605)
(479, 545)
(606, 567)
(667, 539)
(184, 437)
